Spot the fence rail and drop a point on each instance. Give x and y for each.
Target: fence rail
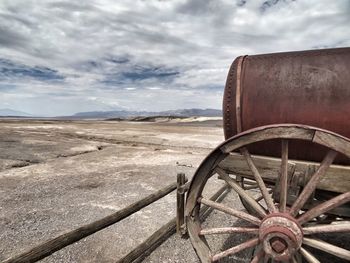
(49, 247)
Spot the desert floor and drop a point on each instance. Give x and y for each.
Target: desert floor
(58, 175)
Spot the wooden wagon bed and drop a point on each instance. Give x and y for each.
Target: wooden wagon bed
(336, 179)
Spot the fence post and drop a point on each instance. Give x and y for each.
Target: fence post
(180, 204)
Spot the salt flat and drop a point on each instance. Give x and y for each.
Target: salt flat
(58, 175)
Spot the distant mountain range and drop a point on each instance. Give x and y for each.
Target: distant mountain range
(13, 113)
(129, 114)
(122, 114)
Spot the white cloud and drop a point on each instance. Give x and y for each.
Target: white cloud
(173, 53)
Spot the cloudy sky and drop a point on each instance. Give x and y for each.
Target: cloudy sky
(62, 57)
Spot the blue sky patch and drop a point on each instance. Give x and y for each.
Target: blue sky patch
(117, 60)
(13, 70)
(148, 73)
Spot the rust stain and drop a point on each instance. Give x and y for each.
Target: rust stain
(306, 87)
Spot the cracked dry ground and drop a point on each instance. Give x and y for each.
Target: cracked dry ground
(58, 175)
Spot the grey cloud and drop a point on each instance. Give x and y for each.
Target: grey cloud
(241, 2)
(71, 6)
(268, 4)
(7, 87)
(198, 7)
(151, 54)
(9, 38)
(21, 20)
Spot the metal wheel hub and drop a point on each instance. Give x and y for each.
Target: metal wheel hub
(280, 235)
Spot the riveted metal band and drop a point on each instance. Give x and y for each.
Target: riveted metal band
(239, 94)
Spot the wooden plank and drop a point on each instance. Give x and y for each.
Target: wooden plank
(336, 179)
(268, 167)
(48, 247)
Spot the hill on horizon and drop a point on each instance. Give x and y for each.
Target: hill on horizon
(127, 114)
(123, 114)
(13, 113)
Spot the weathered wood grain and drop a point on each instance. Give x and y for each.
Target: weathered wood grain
(308, 256)
(244, 194)
(335, 142)
(230, 211)
(329, 248)
(324, 207)
(163, 233)
(151, 243)
(336, 179)
(48, 247)
(284, 177)
(259, 180)
(180, 204)
(282, 132)
(311, 185)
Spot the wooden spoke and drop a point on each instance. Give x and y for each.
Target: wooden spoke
(296, 259)
(240, 214)
(308, 256)
(244, 194)
(266, 258)
(228, 230)
(324, 207)
(329, 248)
(268, 199)
(332, 228)
(236, 249)
(261, 197)
(259, 256)
(284, 177)
(311, 185)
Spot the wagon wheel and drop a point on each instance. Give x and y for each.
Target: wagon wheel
(280, 231)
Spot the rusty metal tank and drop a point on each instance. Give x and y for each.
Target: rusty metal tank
(304, 87)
